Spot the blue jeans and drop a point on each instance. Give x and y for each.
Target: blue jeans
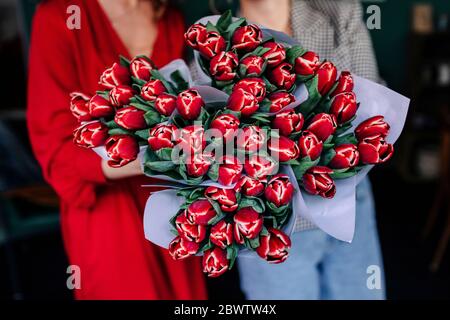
(321, 267)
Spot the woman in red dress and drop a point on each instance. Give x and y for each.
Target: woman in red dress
(101, 207)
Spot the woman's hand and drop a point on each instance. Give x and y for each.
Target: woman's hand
(130, 170)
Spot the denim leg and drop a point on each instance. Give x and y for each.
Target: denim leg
(296, 278)
(345, 266)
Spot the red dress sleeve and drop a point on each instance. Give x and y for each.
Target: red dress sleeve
(74, 172)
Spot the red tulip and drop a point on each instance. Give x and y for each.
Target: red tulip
(198, 165)
(213, 44)
(99, 107)
(114, 76)
(347, 156)
(344, 107)
(160, 136)
(222, 234)
(327, 74)
(191, 139)
(246, 38)
(200, 212)
(375, 149)
(317, 181)
(345, 84)
(375, 126)
(189, 104)
(309, 145)
(274, 247)
(90, 135)
(251, 138)
(194, 35)
(230, 170)
(280, 100)
(255, 86)
(79, 106)
(130, 118)
(249, 187)
(288, 122)
(141, 68)
(165, 104)
(323, 125)
(215, 262)
(243, 102)
(275, 55)
(181, 248)
(251, 66)
(259, 167)
(226, 198)
(282, 76)
(307, 64)
(283, 149)
(223, 66)
(188, 231)
(279, 190)
(121, 95)
(247, 224)
(152, 89)
(121, 149)
(227, 124)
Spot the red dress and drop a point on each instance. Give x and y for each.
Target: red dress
(101, 221)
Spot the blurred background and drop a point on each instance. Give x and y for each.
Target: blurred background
(412, 191)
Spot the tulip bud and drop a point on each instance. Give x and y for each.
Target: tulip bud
(288, 122)
(345, 84)
(227, 124)
(283, 149)
(200, 212)
(307, 64)
(165, 104)
(215, 262)
(317, 181)
(188, 231)
(282, 76)
(275, 55)
(99, 107)
(226, 198)
(279, 100)
(279, 190)
(189, 104)
(213, 44)
(255, 86)
(191, 139)
(327, 74)
(223, 66)
(375, 126)
(230, 170)
(309, 145)
(152, 89)
(194, 35)
(160, 136)
(249, 187)
(90, 135)
(374, 150)
(347, 156)
(181, 248)
(247, 224)
(121, 149)
(344, 107)
(130, 118)
(243, 102)
(251, 66)
(141, 68)
(246, 38)
(323, 125)
(274, 247)
(198, 165)
(121, 95)
(114, 76)
(79, 106)
(259, 167)
(222, 234)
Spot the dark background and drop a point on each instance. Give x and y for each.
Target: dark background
(32, 260)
